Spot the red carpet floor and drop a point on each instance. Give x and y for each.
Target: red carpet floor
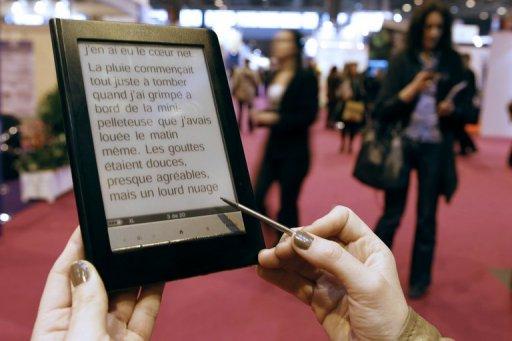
(467, 301)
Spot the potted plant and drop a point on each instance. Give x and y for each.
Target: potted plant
(43, 162)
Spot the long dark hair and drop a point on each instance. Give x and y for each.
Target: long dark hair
(416, 28)
(298, 40)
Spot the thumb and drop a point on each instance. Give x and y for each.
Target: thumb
(332, 257)
(89, 303)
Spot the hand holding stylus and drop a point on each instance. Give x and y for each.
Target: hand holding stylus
(345, 273)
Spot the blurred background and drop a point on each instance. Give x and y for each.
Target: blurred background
(472, 297)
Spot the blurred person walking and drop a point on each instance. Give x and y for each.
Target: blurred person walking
(415, 96)
(293, 105)
(466, 143)
(351, 104)
(245, 88)
(333, 82)
(510, 153)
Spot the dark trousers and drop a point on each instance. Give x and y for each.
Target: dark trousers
(510, 158)
(289, 172)
(465, 140)
(350, 130)
(426, 159)
(331, 113)
(241, 105)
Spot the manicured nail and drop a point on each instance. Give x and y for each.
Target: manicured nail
(79, 273)
(302, 240)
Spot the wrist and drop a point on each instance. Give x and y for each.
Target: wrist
(417, 328)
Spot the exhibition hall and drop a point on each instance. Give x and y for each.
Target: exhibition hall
(255, 169)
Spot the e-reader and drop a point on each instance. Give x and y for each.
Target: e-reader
(153, 145)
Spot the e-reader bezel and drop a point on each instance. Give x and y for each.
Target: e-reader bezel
(159, 263)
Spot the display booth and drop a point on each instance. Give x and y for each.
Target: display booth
(498, 90)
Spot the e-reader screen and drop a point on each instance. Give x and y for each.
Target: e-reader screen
(158, 144)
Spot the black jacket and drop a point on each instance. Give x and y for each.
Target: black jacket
(297, 111)
(390, 109)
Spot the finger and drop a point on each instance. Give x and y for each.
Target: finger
(341, 223)
(331, 257)
(121, 304)
(267, 258)
(146, 310)
(292, 262)
(289, 282)
(89, 303)
(283, 257)
(57, 293)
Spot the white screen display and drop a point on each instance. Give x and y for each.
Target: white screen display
(158, 144)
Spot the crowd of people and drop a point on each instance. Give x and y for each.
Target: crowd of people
(427, 94)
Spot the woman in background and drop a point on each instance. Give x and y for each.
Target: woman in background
(333, 82)
(510, 116)
(352, 95)
(245, 89)
(415, 95)
(293, 105)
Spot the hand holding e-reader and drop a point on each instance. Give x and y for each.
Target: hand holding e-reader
(153, 144)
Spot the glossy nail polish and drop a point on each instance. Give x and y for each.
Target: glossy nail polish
(302, 240)
(79, 273)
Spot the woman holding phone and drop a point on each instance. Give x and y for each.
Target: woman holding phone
(417, 95)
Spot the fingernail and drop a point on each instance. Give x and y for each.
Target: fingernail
(302, 240)
(79, 273)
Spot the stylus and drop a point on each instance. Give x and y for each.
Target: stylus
(259, 216)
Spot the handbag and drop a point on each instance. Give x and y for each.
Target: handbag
(380, 163)
(353, 112)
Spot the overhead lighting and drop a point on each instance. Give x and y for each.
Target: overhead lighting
(483, 15)
(191, 18)
(470, 3)
(418, 2)
(261, 19)
(406, 8)
(397, 17)
(17, 8)
(478, 42)
(310, 20)
(62, 9)
(368, 21)
(156, 16)
(20, 14)
(454, 9)
(501, 10)
(311, 47)
(342, 18)
(41, 7)
(4, 218)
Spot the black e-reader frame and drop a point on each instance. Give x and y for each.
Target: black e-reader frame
(163, 261)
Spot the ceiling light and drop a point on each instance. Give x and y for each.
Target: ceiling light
(478, 42)
(418, 2)
(501, 10)
(397, 17)
(4, 217)
(484, 15)
(470, 3)
(407, 8)
(41, 7)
